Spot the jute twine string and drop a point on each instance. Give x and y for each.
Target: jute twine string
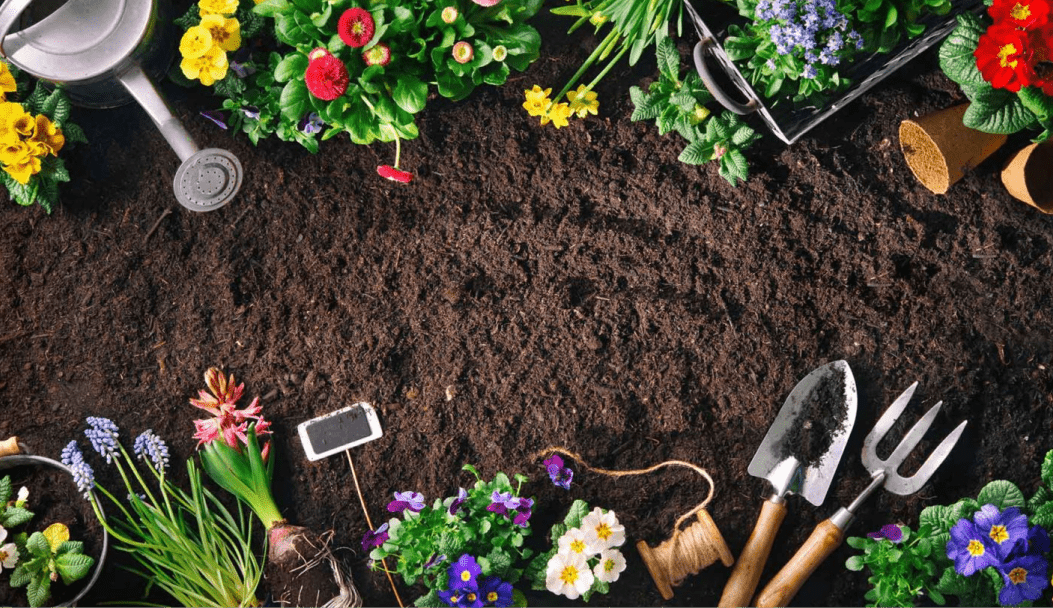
(688, 550)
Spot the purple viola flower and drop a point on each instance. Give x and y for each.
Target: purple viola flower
(495, 592)
(463, 574)
(242, 69)
(970, 548)
(414, 501)
(1006, 529)
(375, 538)
(251, 112)
(311, 123)
(559, 474)
(890, 532)
(502, 502)
(458, 501)
(215, 117)
(523, 512)
(1025, 579)
(433, 561)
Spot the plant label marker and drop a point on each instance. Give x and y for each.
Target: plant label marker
(340, 431)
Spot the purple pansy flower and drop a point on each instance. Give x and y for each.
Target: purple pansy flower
(455, 506)
(495, 592)
(1025, 579)
(502, 502)
(216, 117)
(413, 501)
(970, 548)
(559, 474)
(1006, 529)
(251, 112)
(463, 573)
(311, 123)
(434, 560)
(890, 532)
(375, 538)
(522, 512)
(242, 69)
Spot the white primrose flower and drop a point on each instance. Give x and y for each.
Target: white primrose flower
(602, 530)
(8, 552)
(573, 541)
(568, 574)
(23, 496)
(612, 564)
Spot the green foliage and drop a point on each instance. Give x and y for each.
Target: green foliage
(381, 101)
(884, 23)
(900, 572)
(12, 512)
(419, 538)
(723, 140)
(991, 110)
(41, 564)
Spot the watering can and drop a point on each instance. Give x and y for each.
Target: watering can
(96, 50)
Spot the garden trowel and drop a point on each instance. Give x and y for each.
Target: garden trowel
(799, 455)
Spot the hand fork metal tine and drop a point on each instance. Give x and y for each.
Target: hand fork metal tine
(904, 486)
(906, 445)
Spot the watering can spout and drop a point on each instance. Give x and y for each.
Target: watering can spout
(144, 92)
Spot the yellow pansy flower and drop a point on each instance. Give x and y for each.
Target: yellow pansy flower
(217, 7)
(583, 102)
(7, 80)
(48, 137)
(558, 114)
(208, 68)
(195, 42)
(537, 101)
(226, 33)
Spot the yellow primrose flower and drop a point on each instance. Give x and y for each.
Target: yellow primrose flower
(558, 114)
(583, 102)
(7, 80)
(208, 68)
(24, 165)
(56, 534)
(48, 138)
(25, 126)
(225, 32)
(217, 7)
(537, 101)
(14, 151)
(196, 42)
(10, 113)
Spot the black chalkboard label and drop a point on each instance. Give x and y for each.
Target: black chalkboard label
(339, 430)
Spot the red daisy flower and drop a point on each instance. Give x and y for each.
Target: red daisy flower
(379, 54)
(356, 27)
(395, 175)
(326, 77)
(487, 2)
(1004, 57)
(1028, 14)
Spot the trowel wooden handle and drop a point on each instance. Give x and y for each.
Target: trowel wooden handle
(744, 578)
(784, 586)
(9, 447)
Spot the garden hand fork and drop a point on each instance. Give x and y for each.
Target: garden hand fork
(828, 535)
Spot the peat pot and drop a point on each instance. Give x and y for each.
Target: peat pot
(1029, 176)
(940, 150)
(23, 469)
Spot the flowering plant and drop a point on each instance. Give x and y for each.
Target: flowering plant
(48, 557)
(13, 512)
(32, 133)
(584, 558)
(901, 565)
(466, 549)
(1004, 67)
(212, 29)
(187, 543)
(994, 550)
(365, 68)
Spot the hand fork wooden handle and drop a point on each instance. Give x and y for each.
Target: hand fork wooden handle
(829, 534)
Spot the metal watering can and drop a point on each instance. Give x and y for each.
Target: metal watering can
(96, 50)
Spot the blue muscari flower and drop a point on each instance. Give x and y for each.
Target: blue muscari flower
(970, 548)
(153, 447)
(103, 435)
(464, 572)
(458, 501)
(1025, 579)
(414, 501)
(83, 475)
(495, 592)
(1006, 529)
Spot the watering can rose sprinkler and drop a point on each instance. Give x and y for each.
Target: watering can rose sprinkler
(96, 50)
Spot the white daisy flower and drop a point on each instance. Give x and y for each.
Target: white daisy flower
(602, 530)
(568, 574)
(611, 565)
(573, 541)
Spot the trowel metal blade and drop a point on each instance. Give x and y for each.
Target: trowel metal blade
(781, 464)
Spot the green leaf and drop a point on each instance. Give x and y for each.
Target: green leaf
(39, 591)
(577, 512)
(855, 563)
(890, 18)
(292, 66)
(936, 517)
(1043, 516)
(294, 100)
(5, 489)
(998, 111)
(271, 8)
(73, 133)
(500, 561)
(646, 107)
(1002, 494)
(733, 166)
(956, 52)
(518, 599)
(20, 577)
(37, 545)
(15, 516)
(73, 566)
(410, 94)
(697, 153)
(431, 598)
(1047, 469)
(668, 59)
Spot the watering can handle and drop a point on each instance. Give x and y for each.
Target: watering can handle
(144, 92)
(10, 11)
(711, 83)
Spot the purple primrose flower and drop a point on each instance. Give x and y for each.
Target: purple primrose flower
(1025, 579)
(1006, 529)
(375, 538)
(559, 474)
(414, 501)
(495, 592)
(970, 548)
(463, 574)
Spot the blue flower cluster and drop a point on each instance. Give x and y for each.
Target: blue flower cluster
(83, 474)
(149, 445)
(1002, 540)
(103, 435)
(814, 30)
(466, 588)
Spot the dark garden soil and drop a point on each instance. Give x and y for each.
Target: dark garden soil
(536, 287)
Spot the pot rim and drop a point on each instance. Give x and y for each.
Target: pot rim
(16, 460)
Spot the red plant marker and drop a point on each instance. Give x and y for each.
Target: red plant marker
(395, 175)
(356, 27)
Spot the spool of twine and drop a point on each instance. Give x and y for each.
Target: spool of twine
(9, 447)
(689, 549)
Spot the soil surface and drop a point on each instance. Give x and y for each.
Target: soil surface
(535, 287)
